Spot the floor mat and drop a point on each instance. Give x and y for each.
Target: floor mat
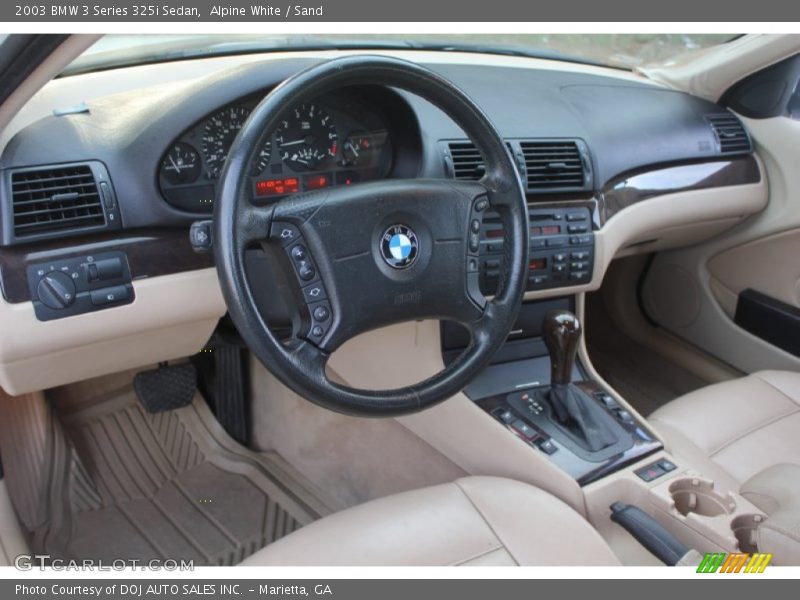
(126, 484)
(643, 377)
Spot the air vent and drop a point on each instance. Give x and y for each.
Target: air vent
(467, 161)
(731, 134)
(553, 165)
(55, 199)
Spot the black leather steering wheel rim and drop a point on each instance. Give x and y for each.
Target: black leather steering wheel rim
(238, 224)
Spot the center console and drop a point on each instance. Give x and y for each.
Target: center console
(541, 394)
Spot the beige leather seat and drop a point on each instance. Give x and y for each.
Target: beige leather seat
(745, 434)
(734, 430)
(472, 521)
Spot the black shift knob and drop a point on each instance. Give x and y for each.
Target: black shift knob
(562, 332)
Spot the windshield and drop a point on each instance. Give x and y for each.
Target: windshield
(626, 51)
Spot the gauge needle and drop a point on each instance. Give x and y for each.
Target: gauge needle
(294, 143)
(174, 164)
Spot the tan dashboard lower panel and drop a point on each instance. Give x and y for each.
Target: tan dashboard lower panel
(173, 316)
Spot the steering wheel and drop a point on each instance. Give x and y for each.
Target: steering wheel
(373, 254)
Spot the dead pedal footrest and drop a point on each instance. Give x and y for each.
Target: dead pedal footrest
(166, 388)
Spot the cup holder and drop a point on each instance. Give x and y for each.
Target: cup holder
(744, 528)
(698, 496)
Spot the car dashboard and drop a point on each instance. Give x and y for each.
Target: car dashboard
(117, 165)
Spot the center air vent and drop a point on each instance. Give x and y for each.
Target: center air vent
(554, 165)
(730, 133)
(61, 199)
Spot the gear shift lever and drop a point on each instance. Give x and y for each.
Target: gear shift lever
(562, 332)
(570, 405)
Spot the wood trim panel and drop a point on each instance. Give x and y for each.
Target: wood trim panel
(637, 186)
(150, 253)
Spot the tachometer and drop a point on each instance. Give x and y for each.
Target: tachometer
(218, 134)
(307, 138)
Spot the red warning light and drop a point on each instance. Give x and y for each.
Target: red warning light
(315, 182)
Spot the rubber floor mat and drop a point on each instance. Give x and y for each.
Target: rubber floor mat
(128, 485)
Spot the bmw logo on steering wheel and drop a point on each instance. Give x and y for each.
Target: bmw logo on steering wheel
(399, 246)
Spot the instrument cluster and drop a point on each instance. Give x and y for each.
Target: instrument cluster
(338, 139)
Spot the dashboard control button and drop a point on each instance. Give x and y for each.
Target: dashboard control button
(547, 446)
(200, 236)
(109, 295)
(314, 293)
(321, 313)
(578, 275)
(104, 270)
(576, 216)
(582, 255)
(577, 229)
(56, 290)
(556, 242)
(524, 429)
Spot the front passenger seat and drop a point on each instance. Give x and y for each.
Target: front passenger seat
(472, 521)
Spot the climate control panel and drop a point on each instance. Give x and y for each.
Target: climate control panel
(63, 287)
(561, 250)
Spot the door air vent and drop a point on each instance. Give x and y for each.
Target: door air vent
(60, 200)
(731, 135)
(554, 165)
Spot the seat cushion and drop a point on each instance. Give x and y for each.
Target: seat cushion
(776, 491)
(472, 521)
(732, 431)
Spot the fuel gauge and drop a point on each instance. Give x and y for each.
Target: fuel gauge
(181, 164)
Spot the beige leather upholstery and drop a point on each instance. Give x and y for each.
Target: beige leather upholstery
(472, 521)
(734, 430)
(776, 491)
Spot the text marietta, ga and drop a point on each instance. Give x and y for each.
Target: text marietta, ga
(265, 10)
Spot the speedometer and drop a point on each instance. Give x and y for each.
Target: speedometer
(218, 134)
(307, 138)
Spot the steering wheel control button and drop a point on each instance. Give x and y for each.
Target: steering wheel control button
(399, 246)
(285, 233)
(317, 332)
(314, 293)
(56, 290)
(475, 226)
(481, 204)
(299, 252)
(306, 271)
(474, 241)
(321, 313)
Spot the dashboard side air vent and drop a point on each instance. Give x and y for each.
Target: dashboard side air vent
(731, 135)
(556, 165)
(59, 200)
(466, 161)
